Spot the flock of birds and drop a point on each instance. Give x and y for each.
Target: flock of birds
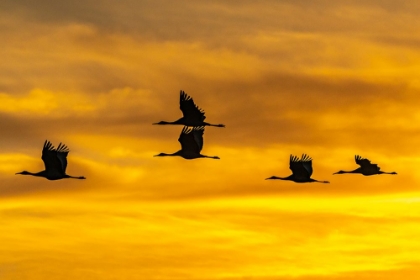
(191, 139)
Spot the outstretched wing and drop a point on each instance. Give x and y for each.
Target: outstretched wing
(301, 168)
(188, 140)
(53, 165)
(363, 162)
(62, 152)
(366, 165)
(198, 137)
(307, 164)
(190, 111)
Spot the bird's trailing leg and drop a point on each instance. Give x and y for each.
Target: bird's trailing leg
(391, 173)
(217, 125)
(213, 157)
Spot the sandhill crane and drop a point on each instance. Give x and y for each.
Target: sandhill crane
(191, 140)
(301, 170)
(193, 115)
(55, 161)
(366, 168)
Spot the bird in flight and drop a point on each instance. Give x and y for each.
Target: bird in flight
(55, 161)
(366, 168)
(191, 140)
(193, 115)
(301, 170)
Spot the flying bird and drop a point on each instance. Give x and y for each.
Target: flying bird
(55, 161)
(191, 140)
(366, 168)
(193, 115)
(301, 170)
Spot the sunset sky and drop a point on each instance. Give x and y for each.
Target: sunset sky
(331, 79)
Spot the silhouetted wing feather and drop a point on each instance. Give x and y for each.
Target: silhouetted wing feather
(198, 137)
(301, 168)
(363, 162)
(307, 163)
(53, 165)
(187, 140)
(62, 152)
(190, 111)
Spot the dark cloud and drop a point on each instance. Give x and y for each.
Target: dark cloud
(277, 111)
(277, 108)
(399, 41)
(186, 20)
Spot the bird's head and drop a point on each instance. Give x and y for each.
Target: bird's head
(23, 173)
(339, 172)
(272, 178)
(393, 173)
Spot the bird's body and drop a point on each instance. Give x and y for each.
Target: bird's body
(193, 116)
(301, 170)
(191, 140)
(366, 168)
(55, 161)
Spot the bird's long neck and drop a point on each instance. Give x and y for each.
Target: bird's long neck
(38, 174)
(382, 172)
(171, 155)
(165, 122)
(168, 155)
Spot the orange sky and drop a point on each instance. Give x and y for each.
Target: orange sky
(328, 78)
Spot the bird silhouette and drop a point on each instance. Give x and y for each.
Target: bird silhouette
(193, 115)
(55, 161)
(191, 140)
(366, 168)
(301, 170)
